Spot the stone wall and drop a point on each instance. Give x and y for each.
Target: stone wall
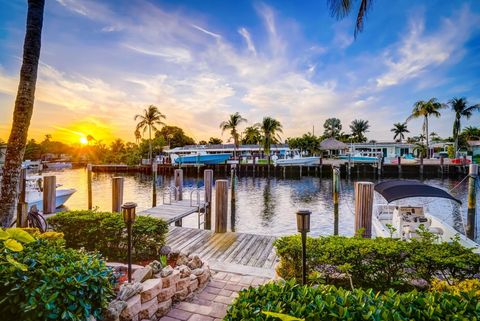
(154, 289)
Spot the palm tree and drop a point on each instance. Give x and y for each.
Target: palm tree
(138, 135)
(459, 106)
(399, 129)
(332, 127)
(471, 133)
(425, 109)
(252, 135)
(22, 112)
(342, 8)
(270, 128)
(232, 124)
(359, 127)
(150, 118)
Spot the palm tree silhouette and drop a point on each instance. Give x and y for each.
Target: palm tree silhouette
(359, 127)
(425, 109)
(270, 128)
(332, 127)
(232, 124)
(399, 129)
(459, 107)
(252, 135)
(150, 118)
(342, 8)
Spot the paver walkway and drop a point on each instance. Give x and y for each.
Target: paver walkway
(212, 302)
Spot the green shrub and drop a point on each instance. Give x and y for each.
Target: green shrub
(58, 284)
(326, 302)
(106, 233)
(379, 263)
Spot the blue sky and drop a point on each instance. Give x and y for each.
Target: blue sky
(104, 61)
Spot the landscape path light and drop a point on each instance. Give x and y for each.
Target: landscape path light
(129, 215)
(303, 226)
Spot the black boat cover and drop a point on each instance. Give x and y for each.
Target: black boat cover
(399, 189)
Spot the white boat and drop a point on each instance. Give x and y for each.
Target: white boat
(57, 165)
(406, 222)
(34, 193)
(297, 160)
(29, 164)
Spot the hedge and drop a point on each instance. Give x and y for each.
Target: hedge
(106, 233)
(327, 302)
(379, 263)
(50, 282)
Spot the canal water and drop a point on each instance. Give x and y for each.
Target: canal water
(264, 205)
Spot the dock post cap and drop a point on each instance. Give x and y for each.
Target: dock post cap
(129, 205)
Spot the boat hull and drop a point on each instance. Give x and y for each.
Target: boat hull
(303, 161)
(61, 198)
(208, 159)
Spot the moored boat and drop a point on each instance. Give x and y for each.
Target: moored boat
(297, 160)
(359, 158)
(34, 193)
(200, 158)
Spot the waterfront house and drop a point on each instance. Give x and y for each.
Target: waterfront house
(475, 149)
(333, 147)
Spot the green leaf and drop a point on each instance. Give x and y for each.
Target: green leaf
(281, 316)
(3, 234)
(20, 235)
(16, 264)
(13, 245)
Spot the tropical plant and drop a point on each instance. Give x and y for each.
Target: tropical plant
(420, 149)
(342, 8)
(459, 107)
(308, 142)
(252, 135)
(332, 127)
(22, 112)
(270, 128)
(150, 119)
(214, 141)
(434, 137)
(232, 124)
(471, 133)
(138, 135)
(425, 109)
(399, 129)
(359, 127)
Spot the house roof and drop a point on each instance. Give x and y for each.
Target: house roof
(474, 143)
(332, 144)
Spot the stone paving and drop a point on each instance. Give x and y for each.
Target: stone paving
(211, 303)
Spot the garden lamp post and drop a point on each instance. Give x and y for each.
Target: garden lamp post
(128, 212)
(303, 226)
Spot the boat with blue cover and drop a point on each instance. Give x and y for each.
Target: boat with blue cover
(359, 158)
(201, 158)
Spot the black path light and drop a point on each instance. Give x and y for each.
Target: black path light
(303, 226)
(129, 215)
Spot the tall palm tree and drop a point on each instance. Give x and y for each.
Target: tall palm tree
(425, 109)
(252, 135)
(459, 107)
(22, 112)
(471, 133)
(271, 128)
(232, 124)
(138, 135)
(399, 129)
(342, 8)
(150, 118)
(359, 127)
(332, 127)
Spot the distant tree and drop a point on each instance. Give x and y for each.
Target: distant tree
(90, 139)
(32, 150)
(359, 127)
(308, 142)
(138, 135)
(270, 128)
(420, 149)
(434, 137)
(202, 142)
(150, 119)
(332, 127)
(174, 136)
(399, 130)
(425, 109)
(252, 135)
(214, 141)
(459, 107)
(232, 124)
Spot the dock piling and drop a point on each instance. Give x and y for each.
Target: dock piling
(178, 174)
(154, 183)
(336, 191)
(208, 181)
(471, 213)
(117, 194)
(364, 208)
(49, 194)
(89, 186)
(221, 205)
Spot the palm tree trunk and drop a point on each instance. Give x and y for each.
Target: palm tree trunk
(456, 130)
(426, 134)
(23, 110)
(150, 144)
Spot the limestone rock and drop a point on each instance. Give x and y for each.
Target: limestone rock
(181, 295)
(151, 288)
(163, 308)
(142, 274)
(182, 259)
(198, 272)
(156, 266)
(148, 309)
(114, 310)
(133, 308)
(166, 271)
(195, 263)
(183, 283)
(128, 290)
(184, 271)
(171, 279)
(166, 294)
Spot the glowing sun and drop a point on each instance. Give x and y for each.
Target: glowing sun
(83, 140)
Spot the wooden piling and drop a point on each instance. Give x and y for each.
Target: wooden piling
(22, 207)
(49, 194)
(154, 183)
(117, 194)
(471, 212)
(89, 186)
(349, 166)
(421, 165)
(178, 174)
(399, 164)
(364, 208)
(336, 191)
(208, 181)
(221, 205)
(232, 183)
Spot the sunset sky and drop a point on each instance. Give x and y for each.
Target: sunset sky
(198, 61)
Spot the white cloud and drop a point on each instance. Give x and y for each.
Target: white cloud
(248, 39)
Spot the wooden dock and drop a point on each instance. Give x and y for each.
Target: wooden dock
(229, 252)
(175, 211)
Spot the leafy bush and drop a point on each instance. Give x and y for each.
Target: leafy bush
(57, 284)
(469, 285)
(106, 232)
(326, 302)
(379, 263)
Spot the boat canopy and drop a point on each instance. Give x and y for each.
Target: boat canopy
(399, 189)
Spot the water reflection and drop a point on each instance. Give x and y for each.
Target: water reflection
(264, 205)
